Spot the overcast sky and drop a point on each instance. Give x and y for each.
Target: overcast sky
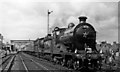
(27, 19)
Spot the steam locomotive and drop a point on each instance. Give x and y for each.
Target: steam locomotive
(74, 47)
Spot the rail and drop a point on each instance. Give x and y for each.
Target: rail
(9, 65)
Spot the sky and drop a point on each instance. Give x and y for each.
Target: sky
(27, 19)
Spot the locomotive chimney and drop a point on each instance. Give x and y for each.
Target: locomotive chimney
(82, 19)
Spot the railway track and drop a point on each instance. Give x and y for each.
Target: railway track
(27, 63)
(26, 69)
(105, 67)
(4, 59)
(7, 63)
(38, 64)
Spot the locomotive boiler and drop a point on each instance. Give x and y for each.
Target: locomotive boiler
(77, 37)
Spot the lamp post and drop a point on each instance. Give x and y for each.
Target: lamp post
(48, 13)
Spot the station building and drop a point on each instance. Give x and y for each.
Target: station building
(21, 45)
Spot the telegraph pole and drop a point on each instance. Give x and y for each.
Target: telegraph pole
(49, 12)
